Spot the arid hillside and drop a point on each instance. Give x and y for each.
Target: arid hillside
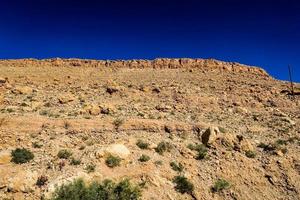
(176, 128)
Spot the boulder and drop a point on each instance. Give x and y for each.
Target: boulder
(210, 135)
(113, 149)
(22, 181)
(23, 90)
(245, 145)
(92, 109)
(63, 99)
(228, 140)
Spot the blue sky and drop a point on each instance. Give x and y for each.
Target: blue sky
(263, 33)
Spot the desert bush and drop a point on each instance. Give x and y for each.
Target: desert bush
(158, 163)
(250, 154)
(176, 166)
(163, 147)
(90, 168)
(281, 142)
(142, 145)
(20, 156)
(144, 158)
(118, 122)
(113, 161)
(183, 185)
(200, 148)
(75, 161)
(67, 124)
(64, 154)
(107, 190)
(220, 185)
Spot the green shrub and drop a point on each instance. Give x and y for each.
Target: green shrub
(75, 161)
(64, 153)
(113, 161)
(262, 145)
(281, 142)
(183, 185)
(20, 156)
(107, 190)
(220, 185)
(144, 158)
(163, 147)
(118, 122)
(90, 168)
(201, 150)
(176, 166)
(250, 154)
(158, 163)
(142, 145)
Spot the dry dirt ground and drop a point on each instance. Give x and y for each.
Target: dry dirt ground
(85, 106)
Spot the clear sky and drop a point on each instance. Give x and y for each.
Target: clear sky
(264, 33)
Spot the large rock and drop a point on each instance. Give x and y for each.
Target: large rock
(23, 90)
(245, 145)
(115, 150)
(22, 181)
(210, 135)
(63, 99)
(92, 109)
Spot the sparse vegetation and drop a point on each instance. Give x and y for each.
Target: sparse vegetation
(220, 185)
(64, 154)
(201, 150)
(78, 190)
(67, 124)
(118, 122)
(163, 147)
(250, 154)
(177, 166)
(158, 163)
(142, 145)
(75, 161)
(144, 158)
(90, 168)
(113, 161)
(183, 185)
(20, 156)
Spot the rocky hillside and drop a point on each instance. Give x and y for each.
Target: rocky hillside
(177, 128)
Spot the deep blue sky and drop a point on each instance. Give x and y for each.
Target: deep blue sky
(265, 33)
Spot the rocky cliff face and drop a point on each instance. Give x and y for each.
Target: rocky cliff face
(229, 129)
(161, 63)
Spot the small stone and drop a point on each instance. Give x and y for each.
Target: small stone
(2, 80)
